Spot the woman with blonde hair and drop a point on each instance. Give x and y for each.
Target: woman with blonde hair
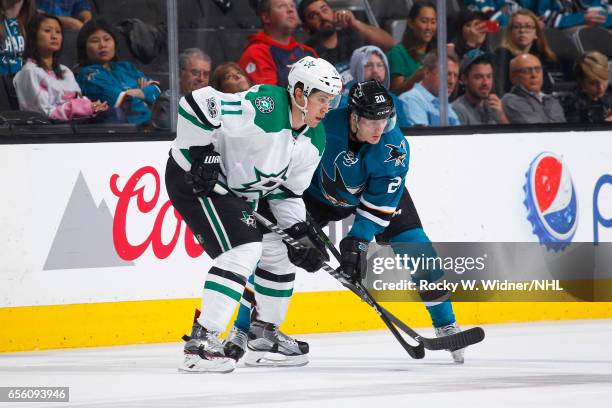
(593, 103)
(523, 35)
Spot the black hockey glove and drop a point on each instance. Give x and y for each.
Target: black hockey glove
(352, 258)
(205, 167)
(312, 257)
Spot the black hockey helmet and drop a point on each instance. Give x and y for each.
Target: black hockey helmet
(370, 100)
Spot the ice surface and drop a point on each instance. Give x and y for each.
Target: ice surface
(557, 364)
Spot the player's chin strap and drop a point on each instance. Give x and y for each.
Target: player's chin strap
(303, 109)
(450, 342)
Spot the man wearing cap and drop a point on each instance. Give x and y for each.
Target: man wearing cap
(335, 34)
(478, 106)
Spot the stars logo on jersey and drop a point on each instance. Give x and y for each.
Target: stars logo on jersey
(397, 153)
(264, 183)
(248, 219)
(213, 107)
(264, 104)
(309, 64)
(335, 189)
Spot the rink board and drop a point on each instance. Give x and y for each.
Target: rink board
(94, 255)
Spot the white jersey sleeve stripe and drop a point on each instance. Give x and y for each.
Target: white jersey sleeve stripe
(373, 218)
(376, 207)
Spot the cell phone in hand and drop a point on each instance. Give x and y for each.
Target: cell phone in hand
(492, 26)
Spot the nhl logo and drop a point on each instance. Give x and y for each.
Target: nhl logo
(264, 104)
(213, 108)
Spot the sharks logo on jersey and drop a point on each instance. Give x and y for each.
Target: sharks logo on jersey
(397, 153)
(335, 189)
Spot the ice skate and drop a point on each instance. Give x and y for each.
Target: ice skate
(447, 330)
(269, 347)
(204, 353)
(235, 344)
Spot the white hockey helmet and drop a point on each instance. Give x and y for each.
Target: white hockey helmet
(314, 73)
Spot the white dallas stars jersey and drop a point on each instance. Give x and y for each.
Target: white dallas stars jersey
(252, 132)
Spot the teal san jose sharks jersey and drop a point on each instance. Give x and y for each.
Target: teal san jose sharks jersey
(369, 178)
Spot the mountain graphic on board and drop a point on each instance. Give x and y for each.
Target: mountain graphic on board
(84, 238)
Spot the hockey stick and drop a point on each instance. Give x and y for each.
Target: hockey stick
(416, 352)
(450, 342)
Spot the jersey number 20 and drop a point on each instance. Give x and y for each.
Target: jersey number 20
(394, 185)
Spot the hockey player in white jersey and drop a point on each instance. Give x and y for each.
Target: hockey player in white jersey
(249, 144)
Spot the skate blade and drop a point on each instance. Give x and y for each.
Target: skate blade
(458, 356)
(268, 359)
(195, 364)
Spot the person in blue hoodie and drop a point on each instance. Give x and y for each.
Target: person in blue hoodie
(103, 77)
(362, 173)
(367, 63)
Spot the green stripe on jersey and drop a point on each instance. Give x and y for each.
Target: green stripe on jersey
(182, 112)
(217, 287)
(273, 292)
(237, 103)
(216, 224)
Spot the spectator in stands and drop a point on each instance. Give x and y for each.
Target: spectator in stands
(526, 103)
(269, 53)
(230, 78)
(478, 106)
(471, 32)
(335, 34)
(571, 14)
(194, 67)
(102, 76)
(592, 104)
(14, 17)
(43, 84)
(524, 35)
(419, 38)
(499, 10)
(367, 63)
(422, 103)
(72, 13)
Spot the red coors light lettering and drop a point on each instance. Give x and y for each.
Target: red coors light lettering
(127, 250)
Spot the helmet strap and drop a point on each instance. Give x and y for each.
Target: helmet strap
(303, 109)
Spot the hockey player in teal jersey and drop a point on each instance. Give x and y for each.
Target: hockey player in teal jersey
(362, 172)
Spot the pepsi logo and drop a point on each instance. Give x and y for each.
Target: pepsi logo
(550, 199)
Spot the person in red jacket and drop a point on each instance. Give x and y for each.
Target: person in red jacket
(269, 54)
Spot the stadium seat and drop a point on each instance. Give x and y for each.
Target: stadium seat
(221, 44)
(8, 95)
(69, 50)
(396, 28)
(241, 15)
(562, 44)
(361, 8)
(18, 118)
(593, 39)
(115, 11)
